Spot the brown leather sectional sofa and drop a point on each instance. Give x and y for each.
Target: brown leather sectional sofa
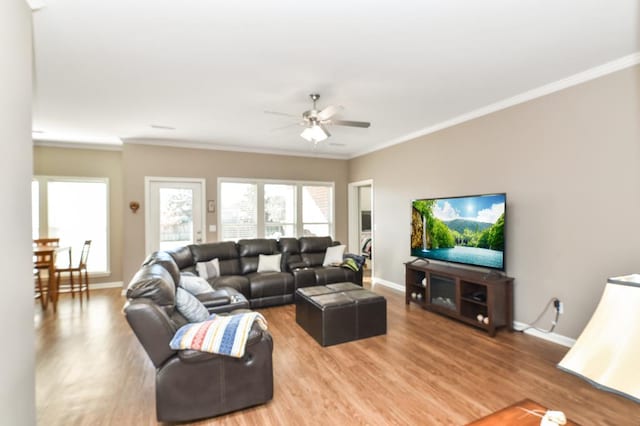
(301, 266)
(190, 384)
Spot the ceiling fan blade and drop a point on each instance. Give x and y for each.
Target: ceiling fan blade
(362, 124)
(329, 112)
(302, 123)
(281, 113)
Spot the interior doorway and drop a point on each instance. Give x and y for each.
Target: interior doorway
(362, 221)
(175, 212)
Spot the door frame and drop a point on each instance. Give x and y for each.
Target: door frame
(353, 206)
(148, 180)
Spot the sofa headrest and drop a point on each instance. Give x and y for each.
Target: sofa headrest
(153, 282)
(182, 256)
(166, 260)
(289, 245)
(257, 246)
(205, 252)
(314, 244)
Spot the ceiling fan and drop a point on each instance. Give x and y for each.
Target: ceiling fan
(315, 121)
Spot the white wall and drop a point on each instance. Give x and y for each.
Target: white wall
(570, 165)
(17, 406)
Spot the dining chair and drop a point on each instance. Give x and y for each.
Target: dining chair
(40, 292)
(81, 270)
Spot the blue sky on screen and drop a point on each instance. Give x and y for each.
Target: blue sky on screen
(486, 208)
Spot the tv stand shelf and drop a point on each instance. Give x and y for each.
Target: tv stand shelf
(484, 300)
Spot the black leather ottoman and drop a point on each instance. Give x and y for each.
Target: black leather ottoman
(332, 316)
(371, 313)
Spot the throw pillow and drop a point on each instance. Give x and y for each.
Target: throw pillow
(333, 255)
(269, 263)
(190, 307)
(350, 264)
(210, 269)
(194, 285)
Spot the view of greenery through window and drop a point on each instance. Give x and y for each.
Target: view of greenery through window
(286, 209)
(176, 217)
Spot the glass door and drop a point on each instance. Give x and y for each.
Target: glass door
(175, 214)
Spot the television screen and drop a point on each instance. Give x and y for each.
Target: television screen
(468, 230)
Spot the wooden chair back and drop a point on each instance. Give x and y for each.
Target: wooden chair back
(84, 255)
(51, 242)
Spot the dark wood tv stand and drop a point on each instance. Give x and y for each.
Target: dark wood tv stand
(461, 294)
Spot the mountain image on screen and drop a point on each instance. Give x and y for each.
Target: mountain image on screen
(466, 230)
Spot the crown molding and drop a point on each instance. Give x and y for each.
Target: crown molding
(77, 145)
(574, 80)
(173, 143)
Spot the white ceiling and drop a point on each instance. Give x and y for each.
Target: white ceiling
(107, 70)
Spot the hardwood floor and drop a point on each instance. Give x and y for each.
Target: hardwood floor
(426, 370)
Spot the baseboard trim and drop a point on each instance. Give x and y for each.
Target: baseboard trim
(114, 284)
(551, 337)
(393, 286)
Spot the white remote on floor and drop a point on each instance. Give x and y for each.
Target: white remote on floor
(553, 418)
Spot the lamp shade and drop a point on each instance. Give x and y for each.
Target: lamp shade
(316, 133)
(607, 352)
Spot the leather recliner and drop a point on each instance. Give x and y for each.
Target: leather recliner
(192, 385)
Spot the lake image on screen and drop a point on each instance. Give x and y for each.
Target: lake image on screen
(460, 254)
(463, 230)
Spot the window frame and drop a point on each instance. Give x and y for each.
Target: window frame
(260, 209)
(43, 212)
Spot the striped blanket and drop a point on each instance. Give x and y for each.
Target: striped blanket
(220, 334)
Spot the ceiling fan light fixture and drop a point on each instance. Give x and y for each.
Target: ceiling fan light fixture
(316, 133)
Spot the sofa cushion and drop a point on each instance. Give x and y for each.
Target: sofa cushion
(333, 255)
(264, 284)
(313, 249)
(182, 256)
(225, 251)
(155, 283)
(269, 263)
(250, 249)
(290, 249)
(163, 258)
(194, 285)
(190, 307)
(238, 282)
(208, 269)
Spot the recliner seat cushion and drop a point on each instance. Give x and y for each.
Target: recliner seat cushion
(265, 284)
(238, 282)
(226, 252)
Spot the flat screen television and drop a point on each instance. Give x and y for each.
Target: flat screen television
(468, 230)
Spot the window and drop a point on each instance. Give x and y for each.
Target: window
(279, 210)
(274, 209)
(74, 210)
(238, 210)
(316, 210)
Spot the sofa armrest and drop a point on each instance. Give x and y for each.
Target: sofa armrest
(296, 265)
(153, 328)
(304, 277)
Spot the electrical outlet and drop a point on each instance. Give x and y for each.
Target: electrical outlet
(560, 308)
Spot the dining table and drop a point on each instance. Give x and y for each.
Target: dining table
(46, 255)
